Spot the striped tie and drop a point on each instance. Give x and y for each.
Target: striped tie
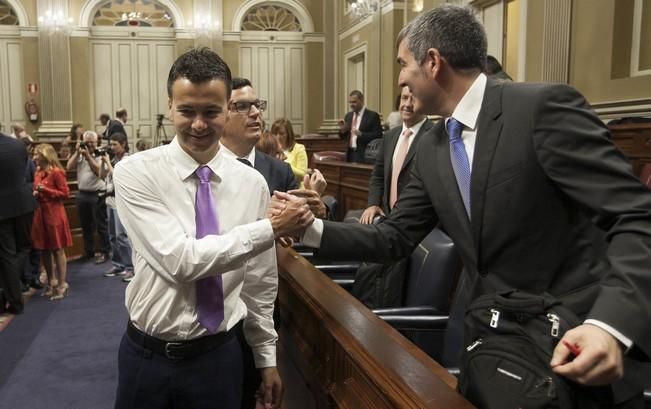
(460, 162)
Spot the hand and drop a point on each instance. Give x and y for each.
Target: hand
(270, 394)
(285, 241)
(600, 361)
(342, 126)
(357, 132)
(317, 207)
(289, 215)
(315, 182)
(369, 214)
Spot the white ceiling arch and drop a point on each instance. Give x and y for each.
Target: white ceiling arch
(90, 7)
(23, 21)
(297, 8)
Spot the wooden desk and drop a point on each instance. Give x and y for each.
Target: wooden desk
(319, 143)
(634, 140)
(348, 182)
(349, 357)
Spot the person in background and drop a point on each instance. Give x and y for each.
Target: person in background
(70, 141)
(142, 145)
(359, 127)
(294, 152)
(17, 130)
(32, 272)
(50, 228)
(270, 145)
(120, 244)
(116, 125)
(494, 69)
(16, 209)
(394, 119)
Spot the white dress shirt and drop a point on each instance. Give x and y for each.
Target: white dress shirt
(155, 195)
(229, 153)
(466, 112)
(354, 124)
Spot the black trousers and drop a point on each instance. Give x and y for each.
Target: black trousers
(15, 244)
(212, 380)
(354, 155)
(92, 215)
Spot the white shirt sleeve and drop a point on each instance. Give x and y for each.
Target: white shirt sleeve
(312, 235)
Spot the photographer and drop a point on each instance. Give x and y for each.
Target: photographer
(120, 245)
(90, 199)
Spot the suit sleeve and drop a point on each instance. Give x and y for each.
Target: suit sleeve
(289, 181)
(376, 181)
(374, 130)
(412, 218)
(576, 152)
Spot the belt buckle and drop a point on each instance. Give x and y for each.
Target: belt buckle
(169, 350)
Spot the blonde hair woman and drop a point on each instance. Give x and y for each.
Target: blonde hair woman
(50, 228)
(294, 152)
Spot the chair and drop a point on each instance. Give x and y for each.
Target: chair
(332, 204)
(645, 174)
(434, 269)
(372, 149)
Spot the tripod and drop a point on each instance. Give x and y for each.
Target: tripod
(160, 131)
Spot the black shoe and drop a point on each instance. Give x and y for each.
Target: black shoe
(36, 284)
(15, 309)
(24, 287)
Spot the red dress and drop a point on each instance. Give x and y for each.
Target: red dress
(50, 228)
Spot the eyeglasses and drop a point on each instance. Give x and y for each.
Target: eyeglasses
(244, 107)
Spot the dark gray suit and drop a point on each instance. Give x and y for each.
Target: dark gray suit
(16, 208)
(379, 184)
(554, 207)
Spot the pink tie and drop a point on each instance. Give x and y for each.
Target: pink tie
(397, 166)
(353, 125)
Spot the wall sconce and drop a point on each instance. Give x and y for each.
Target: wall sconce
(204, 26)
(363, 8)
(55, 22)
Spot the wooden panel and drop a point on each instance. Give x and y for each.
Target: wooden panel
(16, 83)
(634, 140)
(142, 109)
(102, 78)
(295, 103)
(320, 143)
(124, 83)
(348, 183)
(164, 57)
(347, 355)
(246, 61)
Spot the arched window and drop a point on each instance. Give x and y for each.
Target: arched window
(133, 13)
(270, 18)
(8, 16)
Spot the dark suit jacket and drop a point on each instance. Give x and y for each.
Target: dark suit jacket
(554, 207)
(114, 126)
(379, 184)
(370, 128)
(15, 193)
(278, 174)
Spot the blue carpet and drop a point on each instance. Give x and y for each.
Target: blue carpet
(63, 354)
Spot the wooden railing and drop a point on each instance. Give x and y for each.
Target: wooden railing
(348, 357)
(347, 182)
(634, 140)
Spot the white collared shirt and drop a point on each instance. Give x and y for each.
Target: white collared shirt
(355, 125)
(155, 195)
(414, 131)
(229, 153)
(467, 112)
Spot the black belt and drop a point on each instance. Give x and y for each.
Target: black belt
(177, 350)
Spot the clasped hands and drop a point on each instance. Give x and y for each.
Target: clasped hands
(289, 216)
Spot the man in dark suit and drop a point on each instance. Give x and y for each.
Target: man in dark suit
(16, 209)
(550, 206)
(395, 157)
(114, 126)
(360, 126)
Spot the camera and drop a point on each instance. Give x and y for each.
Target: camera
(102, 151)
(159, 119)
(83, 145)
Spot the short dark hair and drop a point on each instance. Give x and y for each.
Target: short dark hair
(104, 117)
(122, 139)
(356, 93)
(454, 31)
(492, 65)
(200, 65)
(120, 112)
(239, 82)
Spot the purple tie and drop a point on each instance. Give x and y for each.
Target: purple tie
(210, 293)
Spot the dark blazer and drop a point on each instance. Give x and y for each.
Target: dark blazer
(278, 174)
(370, 128)
(114, 126)
(379, 184)
(554, 207)
(15, 193)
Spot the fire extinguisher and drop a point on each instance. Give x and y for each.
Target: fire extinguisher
(31, 109)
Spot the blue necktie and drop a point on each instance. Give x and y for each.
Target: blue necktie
(460, 162)
(209, 290)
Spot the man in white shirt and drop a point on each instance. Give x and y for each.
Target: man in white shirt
(17, 130)
(526, 181)
(204, 258)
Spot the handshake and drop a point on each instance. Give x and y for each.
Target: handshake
(290, 215)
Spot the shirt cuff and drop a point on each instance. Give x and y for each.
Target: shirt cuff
(261, 234)
(612, 331)
(312, 235)
(265, 356)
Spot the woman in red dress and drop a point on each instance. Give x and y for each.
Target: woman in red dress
(50, 229)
